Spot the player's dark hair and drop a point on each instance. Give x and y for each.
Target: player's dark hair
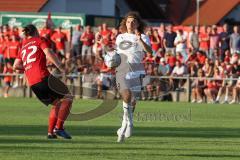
(136, 16)
(30, 30)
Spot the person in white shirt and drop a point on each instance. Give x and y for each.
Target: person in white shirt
(178, 71)
(132, 45)
(181, 45)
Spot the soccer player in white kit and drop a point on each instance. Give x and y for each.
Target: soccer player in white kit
(132, 45)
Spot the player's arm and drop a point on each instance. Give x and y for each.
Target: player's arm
(18, 65)
(147, 48)
(54, 59)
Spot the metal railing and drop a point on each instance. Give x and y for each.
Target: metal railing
(79, 91)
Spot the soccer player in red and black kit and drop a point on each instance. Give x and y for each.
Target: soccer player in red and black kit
(48, 89)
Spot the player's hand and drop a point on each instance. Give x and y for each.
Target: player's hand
(138, 34)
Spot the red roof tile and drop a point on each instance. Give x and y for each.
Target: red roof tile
(211, 11)
(22, 5)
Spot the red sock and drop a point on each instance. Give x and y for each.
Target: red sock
(52, 118)
(63, 113)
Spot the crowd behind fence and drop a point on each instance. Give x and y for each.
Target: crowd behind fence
(178, 51)
(159, 88)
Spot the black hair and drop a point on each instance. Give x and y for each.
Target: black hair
(30, 30)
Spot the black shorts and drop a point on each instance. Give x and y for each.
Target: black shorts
(50, 89)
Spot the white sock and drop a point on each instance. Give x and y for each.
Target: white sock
(124, 119)
(128, 131)
(226, 98)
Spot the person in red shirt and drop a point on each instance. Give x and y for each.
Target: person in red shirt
(60, 38)
(106, 34)
(7, 79)
(201, 58)
(1, 51)
(155, 41)
(171, 60)
(87, 38)
(6, 44)
(204, 40)
(48, 89)
(45, 31)
(14, 47)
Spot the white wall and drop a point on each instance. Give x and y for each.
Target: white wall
(95, 7)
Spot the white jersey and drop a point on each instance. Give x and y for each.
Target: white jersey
(131, 68)
(128, 45)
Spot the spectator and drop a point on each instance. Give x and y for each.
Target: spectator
(226, 87)
(201, 57)
(213, 86)
(181, 46)
(60, 38)
(178, 71)
(98, 46)
(204, 41)
(13, 48)
(214, 42)
(168, 40)
(163, 68)
(198, 86)
(8, 69)
(236, 92)
(224, 38)
(235, 40)
(106, 34)
(87, 38)
(194, 38)
(155, 42)
(208, 68)
(76, 43)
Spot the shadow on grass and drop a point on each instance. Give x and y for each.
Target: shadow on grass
(104, 151)
(201, 132)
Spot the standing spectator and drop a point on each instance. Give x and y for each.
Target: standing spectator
(224, 38)
(114, 35)
(8, 69)
(60, 38)
(76, 43)
(168, 40)
(161, 32)
(6, 44)
(194, 39)
(87, 38)
(45, 31)
(106, 34)
(98, 47)
(14, 47)
(204, 41)
(235, 41)
(214, 42)
(155, 42)
(181, 46)
(1, 51)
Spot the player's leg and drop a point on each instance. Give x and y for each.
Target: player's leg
(53, 114)
(127, 114)
(63, 113)
(58, 90)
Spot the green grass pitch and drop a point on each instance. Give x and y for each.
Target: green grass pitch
(162, 131)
